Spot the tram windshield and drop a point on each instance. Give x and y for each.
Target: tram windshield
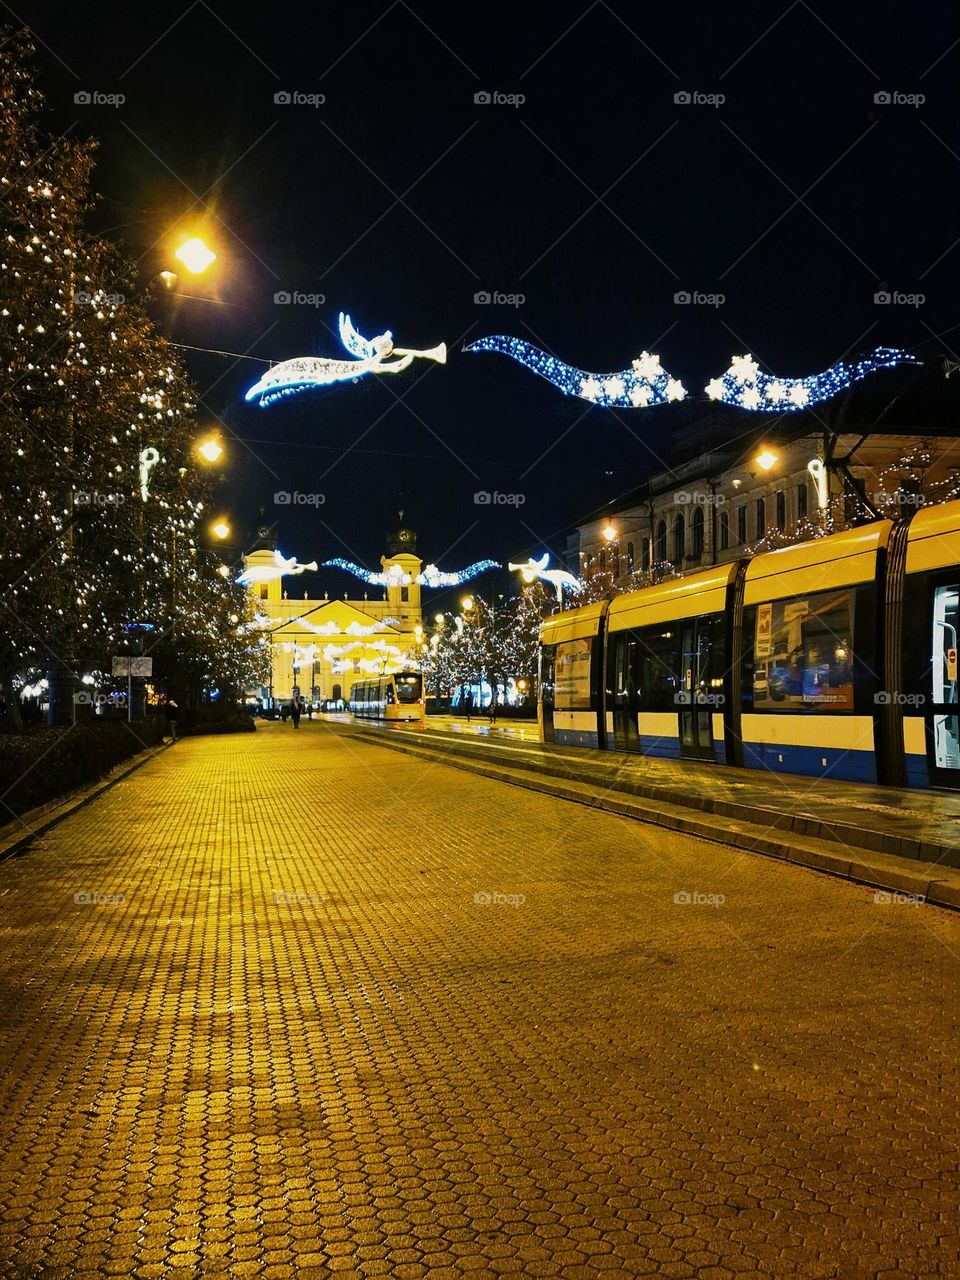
(408, 688)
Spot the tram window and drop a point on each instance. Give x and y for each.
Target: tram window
(803, 653)
(781, 509)
(741, 526)
(408, 688)
(659, 678)
(724, 530)
(801, 501)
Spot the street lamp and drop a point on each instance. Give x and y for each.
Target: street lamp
(610, 533)
(195, 255)
(466, 604)
(221, 529)
(210, 449)
(766, 459)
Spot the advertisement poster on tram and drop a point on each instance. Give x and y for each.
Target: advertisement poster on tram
(572, 687)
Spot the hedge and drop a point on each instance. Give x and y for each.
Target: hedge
(41, 764)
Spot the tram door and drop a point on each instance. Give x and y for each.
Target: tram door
(943, 719)
(548, 658)
(696, 708)
(625, 658)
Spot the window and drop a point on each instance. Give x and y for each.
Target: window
(264, 592)
(801, 500)
(803, 653)
(404, 595)
(660, 551)
(761, 517)
(724, 530)
(946, 726)
(629, 557)
(645, 555)
(741, 525)
(698, 532)
(781, 510)
(679, 539)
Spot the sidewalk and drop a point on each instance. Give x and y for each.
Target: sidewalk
(921, 825)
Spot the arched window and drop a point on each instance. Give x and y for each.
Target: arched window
(679, 539)
(698, 532)
(801, 500)
(781, 510)
(629, 557)
(645, 555)
(660, 551)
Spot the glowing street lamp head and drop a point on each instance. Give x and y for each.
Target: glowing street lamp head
(466, 603)
(195, 255)
(210, 449)
(610, 533)
(438, 619)
(766, 460)
(220, 529)
(168, 279)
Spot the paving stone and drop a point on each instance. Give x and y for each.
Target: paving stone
(363, 1014)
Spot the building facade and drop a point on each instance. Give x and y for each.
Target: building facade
(716, 506)
(318, 647)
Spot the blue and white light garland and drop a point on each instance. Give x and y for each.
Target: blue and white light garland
(271, 572)
(558, 578)
(397, 577)
(641, 386)
(746, 387)
(370, 355)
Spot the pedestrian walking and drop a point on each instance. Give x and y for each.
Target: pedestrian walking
(468, 703)
(295, 709)
(284, 712)
(171, 713)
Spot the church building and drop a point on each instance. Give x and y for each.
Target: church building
(320, 647)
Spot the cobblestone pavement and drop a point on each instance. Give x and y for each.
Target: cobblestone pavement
(290, 1004)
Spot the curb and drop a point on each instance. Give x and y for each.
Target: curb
(912, 885)
(52, 815)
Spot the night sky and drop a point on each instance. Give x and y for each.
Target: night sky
(598, 198)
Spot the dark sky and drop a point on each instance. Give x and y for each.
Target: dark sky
(597, 199)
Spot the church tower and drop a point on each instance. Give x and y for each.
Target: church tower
(402, 561)
(265, 594)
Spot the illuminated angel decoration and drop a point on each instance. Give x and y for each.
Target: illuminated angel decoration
(280, 568)
(643, 385)
(395, 576)
(559, 578)
(369, 355)
(745, 386)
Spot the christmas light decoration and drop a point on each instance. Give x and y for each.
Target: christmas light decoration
(334, 629)
(558, 578)
(271, 572)
(395, 576)
(746, 387)
(820, 481)
(370, 355)
(641, 386)
(149, 458)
